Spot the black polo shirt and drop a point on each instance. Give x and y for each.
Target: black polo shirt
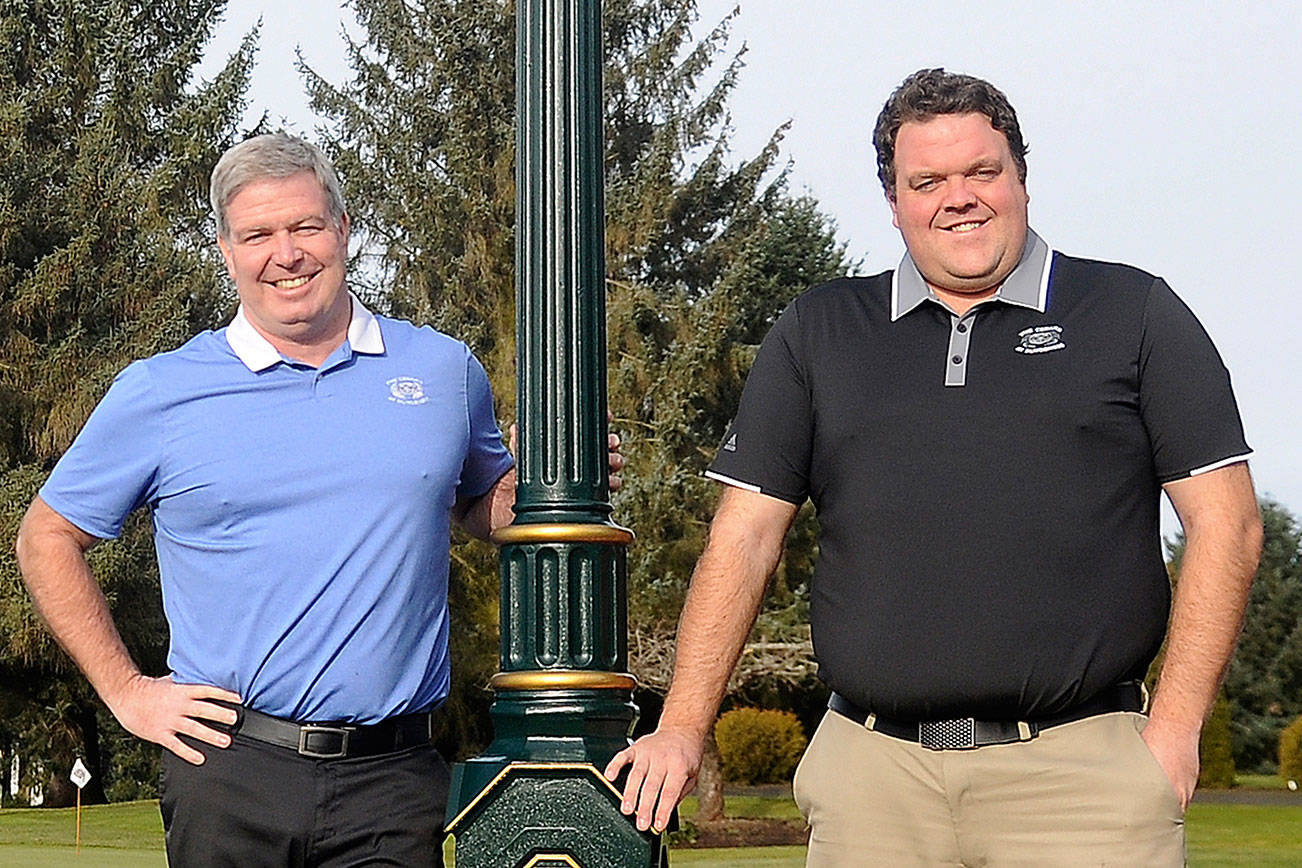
(987, 486)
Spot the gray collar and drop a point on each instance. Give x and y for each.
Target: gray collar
(1026, 286)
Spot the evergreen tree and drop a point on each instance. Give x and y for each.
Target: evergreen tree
(702, 253)
(1215, 750)
(1264, 680)
(1290, 753)
(105, 257)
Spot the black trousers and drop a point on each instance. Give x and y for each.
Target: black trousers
(254, 804)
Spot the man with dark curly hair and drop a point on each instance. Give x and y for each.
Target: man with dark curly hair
(986, 432)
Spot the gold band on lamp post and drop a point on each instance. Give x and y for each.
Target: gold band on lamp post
(526, 534)
(562, 679)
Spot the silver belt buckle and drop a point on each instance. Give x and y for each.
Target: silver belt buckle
(958, 734)
(309, 729)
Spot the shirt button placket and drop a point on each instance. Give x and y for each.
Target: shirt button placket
(960, 334)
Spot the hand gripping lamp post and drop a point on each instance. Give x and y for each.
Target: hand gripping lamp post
(563, 701)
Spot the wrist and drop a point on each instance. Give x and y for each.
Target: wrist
(116, 691)
(688, 724)
(1176, 727)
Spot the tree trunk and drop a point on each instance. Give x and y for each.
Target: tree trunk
(6, 769)
(88, 723)
(58, 790)
(710, 784)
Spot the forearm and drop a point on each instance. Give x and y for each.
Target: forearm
(721, 606)
(745, 543)
(1223, 544)
(1206, 616)
(718, 614)
(496, 508)
(69, 600)
(492, 510)
(52, 557)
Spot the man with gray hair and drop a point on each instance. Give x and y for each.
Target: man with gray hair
(302, 467)
(985, 432)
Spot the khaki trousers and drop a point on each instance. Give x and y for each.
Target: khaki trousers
(1084, 793)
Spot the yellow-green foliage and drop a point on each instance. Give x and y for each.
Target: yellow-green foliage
(1215, 755)
(1290, 751)
(758, 746)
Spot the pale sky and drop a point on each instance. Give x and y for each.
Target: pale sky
(1163, 134)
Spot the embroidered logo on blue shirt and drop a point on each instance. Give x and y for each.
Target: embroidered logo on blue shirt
(1041, 339)
(407, 390)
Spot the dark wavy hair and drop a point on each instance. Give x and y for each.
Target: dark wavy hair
(932, 92)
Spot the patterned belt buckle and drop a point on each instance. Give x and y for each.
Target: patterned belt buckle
(958, 734)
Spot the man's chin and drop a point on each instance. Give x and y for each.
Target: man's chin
(966, 282)
(975, 277)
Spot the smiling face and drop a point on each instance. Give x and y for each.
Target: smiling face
(959, 204)
(287, 257)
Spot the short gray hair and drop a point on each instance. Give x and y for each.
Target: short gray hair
(274, 155)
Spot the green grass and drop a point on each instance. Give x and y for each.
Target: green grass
(1257, 835)
(1259, 782)
(741, 857)
(125, 825)
(124, 835)
(130, 835)
(90, 857)
(752, 807)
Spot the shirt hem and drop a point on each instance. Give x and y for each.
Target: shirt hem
(757, 489)
(736, 483)
(1206, 468)
(1216, 465)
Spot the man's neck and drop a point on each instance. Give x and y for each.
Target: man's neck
(313, 347)
(312, 353)
(962, 302)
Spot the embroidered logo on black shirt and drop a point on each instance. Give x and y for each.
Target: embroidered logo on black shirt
(1041, 339)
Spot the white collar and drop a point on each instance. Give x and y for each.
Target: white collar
(257, 353)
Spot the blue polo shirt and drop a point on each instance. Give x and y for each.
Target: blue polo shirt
(301, 515)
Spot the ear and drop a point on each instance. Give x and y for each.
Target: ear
(224, 246)
(344, 224)
(895, 212)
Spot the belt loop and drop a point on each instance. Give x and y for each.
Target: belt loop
(1143, 693)
(871, 721)
(1024, 731)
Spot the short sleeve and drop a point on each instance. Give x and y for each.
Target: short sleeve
(113, 465)
(768, 445)
(486, 457)
(1185, 397)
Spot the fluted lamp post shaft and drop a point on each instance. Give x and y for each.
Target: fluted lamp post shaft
(563, 700)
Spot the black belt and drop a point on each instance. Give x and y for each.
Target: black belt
(965, 733)
(336, 740)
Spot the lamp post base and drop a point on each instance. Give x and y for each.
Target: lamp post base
(549, 805)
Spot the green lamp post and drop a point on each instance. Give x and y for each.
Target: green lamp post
(563, 700)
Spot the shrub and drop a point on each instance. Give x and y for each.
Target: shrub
(758, 746)
(1290, 752)
(1215, 753)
